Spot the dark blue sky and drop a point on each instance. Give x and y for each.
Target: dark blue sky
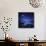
(26, 19)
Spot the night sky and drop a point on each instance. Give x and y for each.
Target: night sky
(26, 20)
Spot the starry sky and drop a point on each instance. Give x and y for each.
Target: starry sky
(26, 20)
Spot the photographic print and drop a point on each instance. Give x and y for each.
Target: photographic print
(26, 19)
